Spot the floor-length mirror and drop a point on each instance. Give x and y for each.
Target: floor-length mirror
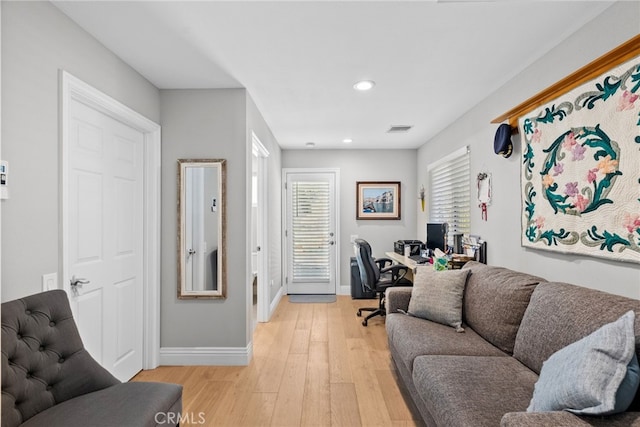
(201, 228)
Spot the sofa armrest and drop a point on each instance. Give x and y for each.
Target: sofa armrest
(397, 298)
(563, 418)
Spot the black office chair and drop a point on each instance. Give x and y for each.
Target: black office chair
(376, 276)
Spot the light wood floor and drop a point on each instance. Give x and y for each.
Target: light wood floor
(313, 365)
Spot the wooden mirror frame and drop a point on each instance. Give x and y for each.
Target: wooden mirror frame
(221, 202)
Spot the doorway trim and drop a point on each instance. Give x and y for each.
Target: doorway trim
(72, 88)
(261, 152)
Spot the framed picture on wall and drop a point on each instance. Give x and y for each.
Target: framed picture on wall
(378, 200)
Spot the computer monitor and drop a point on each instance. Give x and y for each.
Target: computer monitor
(437, 236)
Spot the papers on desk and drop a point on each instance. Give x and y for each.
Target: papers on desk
(437, 253)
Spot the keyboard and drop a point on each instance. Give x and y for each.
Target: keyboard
(419, 259)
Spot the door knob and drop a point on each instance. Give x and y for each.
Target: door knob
(77, 282)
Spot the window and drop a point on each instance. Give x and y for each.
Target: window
(311, 230)
(449, 191)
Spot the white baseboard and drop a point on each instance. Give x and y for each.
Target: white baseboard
(193, 356)
(344, 290)
(276, 301)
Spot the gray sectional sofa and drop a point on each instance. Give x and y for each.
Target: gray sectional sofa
(50, 380)
(485, 376)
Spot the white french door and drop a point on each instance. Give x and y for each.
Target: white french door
(104, 251)
(311, 231)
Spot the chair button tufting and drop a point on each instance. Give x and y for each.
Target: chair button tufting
(27, 311)
(61, 360)
(18, 336)
(49, 387)
(52, 323)
(41, 348)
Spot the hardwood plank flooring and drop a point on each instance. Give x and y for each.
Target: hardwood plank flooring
(313, 365)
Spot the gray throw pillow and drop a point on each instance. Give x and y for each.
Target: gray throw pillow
(629, 387)
(584, 377)
(437, 296)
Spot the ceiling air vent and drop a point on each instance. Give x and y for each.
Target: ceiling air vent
(399, 128)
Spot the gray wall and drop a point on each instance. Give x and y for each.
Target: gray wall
(37, 42)
(502, 230)
(205, 124)
(256, 124)
(367, 165)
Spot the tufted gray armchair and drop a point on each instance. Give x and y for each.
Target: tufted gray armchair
(49, 379)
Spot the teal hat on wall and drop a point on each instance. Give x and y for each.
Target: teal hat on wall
(502, 142)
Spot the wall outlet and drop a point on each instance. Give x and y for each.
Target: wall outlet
(353, 238)
(49, 281)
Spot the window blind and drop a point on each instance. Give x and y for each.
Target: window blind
(449, 199)
(310, 227)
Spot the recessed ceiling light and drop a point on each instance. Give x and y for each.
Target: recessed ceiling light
(364, 85)
(310, 144)
(347, 140)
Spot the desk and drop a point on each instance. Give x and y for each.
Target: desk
(401, 259)
(457, 262)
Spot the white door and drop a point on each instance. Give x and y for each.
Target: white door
(311, 232)
(104, 254)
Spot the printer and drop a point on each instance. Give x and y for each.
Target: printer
(414, 246)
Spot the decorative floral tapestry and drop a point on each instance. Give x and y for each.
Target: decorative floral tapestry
(581, 169)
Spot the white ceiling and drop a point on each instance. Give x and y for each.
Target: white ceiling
(431, 61)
